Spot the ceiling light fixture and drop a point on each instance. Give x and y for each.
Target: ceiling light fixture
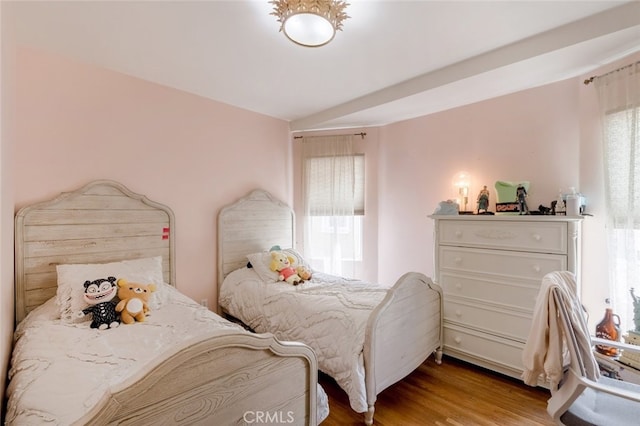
(310, 23)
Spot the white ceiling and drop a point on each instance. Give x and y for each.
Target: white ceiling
(394, 59)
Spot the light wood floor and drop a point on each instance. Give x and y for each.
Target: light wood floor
(451, 394)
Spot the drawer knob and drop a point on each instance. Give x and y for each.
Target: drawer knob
(458, 313)
(537, 237)
(536, 268)
(458, 339)
(458, 286)
(458, 260)
(458, 233)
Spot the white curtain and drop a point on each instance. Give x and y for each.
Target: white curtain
(619, 99)
(333, 194)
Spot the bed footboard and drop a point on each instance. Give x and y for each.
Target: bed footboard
(235, 378)
(403, 330)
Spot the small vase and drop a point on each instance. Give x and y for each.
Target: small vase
(608, 328)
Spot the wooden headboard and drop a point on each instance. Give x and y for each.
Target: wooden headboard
(254, 223)
(99, 223)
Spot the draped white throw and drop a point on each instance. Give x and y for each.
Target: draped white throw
(333, 194)
(619, 99)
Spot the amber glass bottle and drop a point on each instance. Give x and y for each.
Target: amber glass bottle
(608, 329)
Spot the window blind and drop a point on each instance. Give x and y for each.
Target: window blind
(335, 185)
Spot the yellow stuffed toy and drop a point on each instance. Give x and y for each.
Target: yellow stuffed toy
(282, 264)
(134, 299)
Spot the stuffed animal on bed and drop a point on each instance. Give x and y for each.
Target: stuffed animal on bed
(134, 300)
(99, 294)
(304, 272)
(283, 264)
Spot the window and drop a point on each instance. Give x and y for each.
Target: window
(622, 166)
(335, 244)
(619, 98)
(334, 205)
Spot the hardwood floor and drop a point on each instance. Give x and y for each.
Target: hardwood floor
(451, 394)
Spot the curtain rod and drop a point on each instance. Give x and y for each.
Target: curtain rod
(361, 134)
(590, 79)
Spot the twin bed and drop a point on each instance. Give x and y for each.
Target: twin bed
(367, 337)
(185, 364)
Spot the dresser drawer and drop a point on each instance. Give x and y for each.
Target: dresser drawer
(498, 263)
(489, 319)
(521, 294)
(542, 237)
(484, 346)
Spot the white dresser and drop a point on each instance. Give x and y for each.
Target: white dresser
(490, 269)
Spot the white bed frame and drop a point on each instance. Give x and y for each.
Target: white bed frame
(208, 380)
(401, 332)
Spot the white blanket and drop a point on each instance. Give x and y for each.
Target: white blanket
(327, 313)
(60, 371)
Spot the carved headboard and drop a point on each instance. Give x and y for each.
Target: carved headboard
(101, 222)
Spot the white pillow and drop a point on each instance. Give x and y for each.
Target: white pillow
(261, 263)
(71, 278)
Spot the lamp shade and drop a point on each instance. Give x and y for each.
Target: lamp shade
(308, 29)
(310, 23)
(462, 180)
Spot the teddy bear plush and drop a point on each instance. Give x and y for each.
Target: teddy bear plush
(99, 294)
(304, 272)
(134, 300)
(283, 265)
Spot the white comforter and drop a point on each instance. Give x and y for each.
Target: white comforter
(60, 371)
(327, 313)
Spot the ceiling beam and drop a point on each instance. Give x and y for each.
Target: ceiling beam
(598, 25)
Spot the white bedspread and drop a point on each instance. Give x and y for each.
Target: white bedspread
(327, 313)
(60, 371)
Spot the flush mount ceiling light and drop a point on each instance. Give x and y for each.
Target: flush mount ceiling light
(310, 23)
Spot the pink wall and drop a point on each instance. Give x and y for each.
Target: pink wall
(76, 123)
(531, 135)
(7, 75)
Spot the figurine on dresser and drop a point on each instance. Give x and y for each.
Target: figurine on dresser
(483, 200)
(521, 198)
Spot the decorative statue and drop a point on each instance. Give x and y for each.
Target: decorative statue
(636, 310)
(483, 200)
(521, 198)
